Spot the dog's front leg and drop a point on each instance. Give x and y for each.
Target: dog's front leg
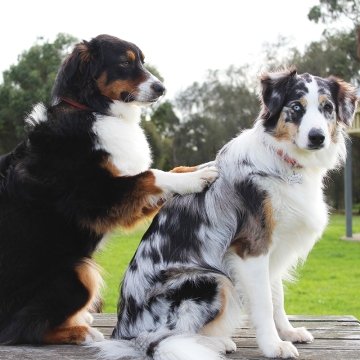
(286, 330)
(185, 180)
(182, 169)
(255, 281)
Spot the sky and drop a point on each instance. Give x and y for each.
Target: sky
(182, 38)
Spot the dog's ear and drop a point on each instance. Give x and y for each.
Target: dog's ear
(345, 97)
(274, 86)
(78, 70)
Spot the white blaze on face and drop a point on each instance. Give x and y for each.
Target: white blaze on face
(312, 119)
(146, 92)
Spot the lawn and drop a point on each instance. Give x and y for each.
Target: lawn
(328, 283)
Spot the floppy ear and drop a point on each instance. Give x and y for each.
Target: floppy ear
(274, 86)
(77, 71)
(345, 98)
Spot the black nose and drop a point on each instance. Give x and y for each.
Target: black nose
(158, 88)
(316, 138)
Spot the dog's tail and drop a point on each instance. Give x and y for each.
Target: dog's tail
(162, 346)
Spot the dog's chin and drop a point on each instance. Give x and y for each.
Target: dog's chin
(145, 102)
(128, 98)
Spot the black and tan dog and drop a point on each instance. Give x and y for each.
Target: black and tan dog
(82, 169)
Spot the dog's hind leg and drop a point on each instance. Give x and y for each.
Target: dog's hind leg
(228, 317)
(57, 313)
(75, 329)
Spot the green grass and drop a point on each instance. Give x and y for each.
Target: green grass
(328, 283)
(114, 259)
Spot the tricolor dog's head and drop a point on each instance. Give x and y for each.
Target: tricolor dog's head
(305, 110)
(104, 70)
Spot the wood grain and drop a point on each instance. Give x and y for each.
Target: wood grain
(336, 337)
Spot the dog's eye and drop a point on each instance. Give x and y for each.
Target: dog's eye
(296, 107)
(124, 64)
(328, 107)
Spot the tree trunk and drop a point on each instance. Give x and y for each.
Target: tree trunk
(358, 41)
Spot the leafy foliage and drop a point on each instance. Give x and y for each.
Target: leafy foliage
(330, 10)
(212, 113)
(335, 54)
(27, 83)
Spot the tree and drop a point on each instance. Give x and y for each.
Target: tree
(334, 54)
(212, 113)
(26, 83)
(332, 10)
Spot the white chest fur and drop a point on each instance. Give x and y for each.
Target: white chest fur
(122, 137)
(300, 219)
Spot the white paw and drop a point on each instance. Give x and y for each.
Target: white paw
(203, 178)
(230, 346)
(88, 318)
(280, 349)
(93, 336)
(300, 335)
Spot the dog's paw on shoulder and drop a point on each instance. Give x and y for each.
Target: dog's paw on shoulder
(203, 178)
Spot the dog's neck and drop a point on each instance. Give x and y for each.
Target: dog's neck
(288, 159)
(127, 111)
(75, 104)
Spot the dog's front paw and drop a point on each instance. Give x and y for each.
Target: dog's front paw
(203, 178)
(230, 346)
(280, 349)
(92, 336)
(88, 318)
(299, 335)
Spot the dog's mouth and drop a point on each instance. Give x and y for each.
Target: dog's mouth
(128, 97)
(315, 147)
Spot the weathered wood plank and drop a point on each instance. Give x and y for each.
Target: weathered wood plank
(305, 354)
(337, 344)
(336, 337)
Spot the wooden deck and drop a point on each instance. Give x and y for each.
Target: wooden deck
(336, 337)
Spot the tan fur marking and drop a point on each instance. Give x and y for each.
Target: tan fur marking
(110, 167)
(218, 326)
(114, 89)
(184, 169)
(269, 218)
(285, 130)
(89, 275)
(303, 102)
(131, 55)
(323, 98)
(135, 208)
(84, 52)
(254, 238)
(66, 335)
(212, 328)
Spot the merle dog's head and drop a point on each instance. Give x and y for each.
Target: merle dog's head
(305, 110)
(104, 70)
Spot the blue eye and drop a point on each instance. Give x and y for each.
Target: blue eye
(296, 107)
